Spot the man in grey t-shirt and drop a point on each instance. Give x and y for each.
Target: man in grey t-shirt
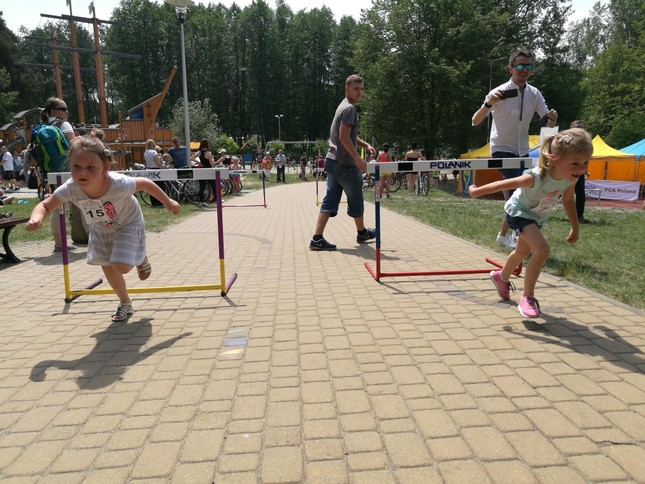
(344, 166)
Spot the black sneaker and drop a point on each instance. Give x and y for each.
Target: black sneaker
(321, 244)
(369, 235)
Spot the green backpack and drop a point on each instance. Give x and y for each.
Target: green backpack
(49, 147)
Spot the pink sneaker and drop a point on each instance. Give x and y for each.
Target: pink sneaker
(529, 307)
(504, 288)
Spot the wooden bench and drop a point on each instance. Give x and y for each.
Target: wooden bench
(7, 224)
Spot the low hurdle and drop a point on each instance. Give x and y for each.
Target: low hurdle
(432, 165)
(156, 175)
(264, 190)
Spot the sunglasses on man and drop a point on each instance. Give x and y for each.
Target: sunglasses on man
(521, 67)
(62, 109)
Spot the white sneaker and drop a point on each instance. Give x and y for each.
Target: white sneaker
(505, 241)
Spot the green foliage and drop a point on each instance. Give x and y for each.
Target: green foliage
(227, 143)
(7, 97)
(321, 146)
(204, 123)
(628, 130)
(615, 88)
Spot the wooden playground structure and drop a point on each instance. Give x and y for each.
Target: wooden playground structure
(127, 139)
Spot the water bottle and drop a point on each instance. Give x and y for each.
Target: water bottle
(23, 201)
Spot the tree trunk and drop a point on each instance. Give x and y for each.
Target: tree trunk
(78, 232)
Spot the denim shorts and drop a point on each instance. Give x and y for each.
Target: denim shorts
(518, 223)
(509, 172)
(343, 178)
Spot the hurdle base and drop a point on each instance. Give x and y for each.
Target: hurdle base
(378, 274)
(76, 296)
(229, 284)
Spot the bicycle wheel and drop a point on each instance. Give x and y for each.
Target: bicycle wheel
(173, 190)
(145, 197)
(209, 194)
(424, 185)
(226, 187)
(395, 183)
(191, 191)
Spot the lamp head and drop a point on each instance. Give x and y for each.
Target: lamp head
(181, 3)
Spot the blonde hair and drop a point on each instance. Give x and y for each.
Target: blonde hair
(574, 140)
(99, 133)
(91, 144)
(150, 144)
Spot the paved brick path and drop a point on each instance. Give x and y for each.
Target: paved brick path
(309, 370)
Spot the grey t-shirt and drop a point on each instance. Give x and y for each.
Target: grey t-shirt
(345, 114)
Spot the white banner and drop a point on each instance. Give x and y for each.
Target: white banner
(615, 190)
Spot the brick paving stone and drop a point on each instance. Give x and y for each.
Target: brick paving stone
(458, 471)
(558, 475)
(35, 459)
(326, 472)
(282, 465)
(342, 379)
(283, 437)
(534, 449)
(630, 458)
(323, 449)
(582, 415)
(451, 448)
(363, 461)
(597, 468)
(487, 443)
(552, 423)
(511, 472)
(156, 460)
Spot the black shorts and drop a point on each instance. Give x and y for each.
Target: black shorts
(518, 223)
(8, 175)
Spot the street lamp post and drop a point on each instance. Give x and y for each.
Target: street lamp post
(181, 9)
(490, 86)
(279, 116)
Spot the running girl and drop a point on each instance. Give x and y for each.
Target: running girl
(563, 158)
(117, 234)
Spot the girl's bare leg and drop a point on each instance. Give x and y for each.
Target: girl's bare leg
(114, 275)
(530, 241)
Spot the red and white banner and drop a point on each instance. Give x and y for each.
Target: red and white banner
(615, 190)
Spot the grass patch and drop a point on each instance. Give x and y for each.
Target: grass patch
(608, 258)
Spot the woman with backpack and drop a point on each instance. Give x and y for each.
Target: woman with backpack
(55, 113)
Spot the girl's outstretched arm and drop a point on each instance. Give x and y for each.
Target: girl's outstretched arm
(526, 180)
(570, 207)
(150, 187)
(40, 212)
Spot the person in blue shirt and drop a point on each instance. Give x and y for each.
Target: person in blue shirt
(178, 154)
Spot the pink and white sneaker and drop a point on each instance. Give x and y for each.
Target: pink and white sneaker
(503, 287)
(529, 307)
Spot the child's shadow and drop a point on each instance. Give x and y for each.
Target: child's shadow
(562, 332)
(114, 352)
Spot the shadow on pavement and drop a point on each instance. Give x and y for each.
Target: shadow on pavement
(562, 332)
(117, 347)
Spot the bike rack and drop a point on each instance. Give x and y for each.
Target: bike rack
(431, 165)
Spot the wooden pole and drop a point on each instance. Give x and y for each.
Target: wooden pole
(77, 67)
